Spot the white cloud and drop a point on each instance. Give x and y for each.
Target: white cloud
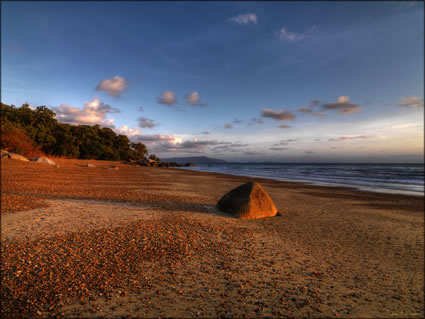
(194, 99)
(407, 125)
(245, 18)
(114, 86)
(286, 35)
(158, 143)
(92, 113)
(168, 98)
(130, 132)
(413, 102)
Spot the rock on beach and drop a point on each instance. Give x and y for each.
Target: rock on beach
(15, 157)
(43, 160)
(248, 201)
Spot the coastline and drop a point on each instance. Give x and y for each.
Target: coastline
(318, 181)
(334, 251)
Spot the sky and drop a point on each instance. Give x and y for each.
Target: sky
(239, 81)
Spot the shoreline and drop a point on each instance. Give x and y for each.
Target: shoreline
(304, 184)
(363, 188)
(154, 236)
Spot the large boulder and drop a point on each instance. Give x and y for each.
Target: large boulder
(43, 160)
(15, 157)
(248, 201)
(89, 165)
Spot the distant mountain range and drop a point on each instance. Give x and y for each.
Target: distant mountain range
(194, 159)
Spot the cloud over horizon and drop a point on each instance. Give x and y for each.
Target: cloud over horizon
(170, 143)
(246, 18)
(342, 138)
(114, 86)
(342, 106)
(92, 113)
(278, 148)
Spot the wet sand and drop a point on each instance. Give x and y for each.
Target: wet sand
(147, 242)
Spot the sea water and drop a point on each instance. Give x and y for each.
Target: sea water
(387, 178)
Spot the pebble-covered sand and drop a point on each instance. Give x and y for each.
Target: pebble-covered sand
(147, 242)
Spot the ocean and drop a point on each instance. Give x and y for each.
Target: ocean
(386, 178)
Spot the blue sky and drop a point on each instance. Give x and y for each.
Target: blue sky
(242, 81)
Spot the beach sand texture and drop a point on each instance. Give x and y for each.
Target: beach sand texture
(148, 242)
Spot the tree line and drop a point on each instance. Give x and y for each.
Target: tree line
(35, 132)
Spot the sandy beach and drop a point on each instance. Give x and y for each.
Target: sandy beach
(148, 242)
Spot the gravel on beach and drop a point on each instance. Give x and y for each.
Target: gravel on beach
(147, 242)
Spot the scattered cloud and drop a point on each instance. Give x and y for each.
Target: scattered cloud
(309, 109)
(246, 18)
(288, 36)
(229, 147)
(284, 126)
(286, 142)
(170, 143)
(125, 130)
(305, 109)
(114, 86)
(237, 121)
(278, 148)
(280, 115)
(193, 99)
(343, 106)
(407, 125)
(413, 102)
(343, 138)
(228, 125)
(144, 122)
(92, 113)
(255, 120)
(168, 98)
(205, 132)
(157, 138)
